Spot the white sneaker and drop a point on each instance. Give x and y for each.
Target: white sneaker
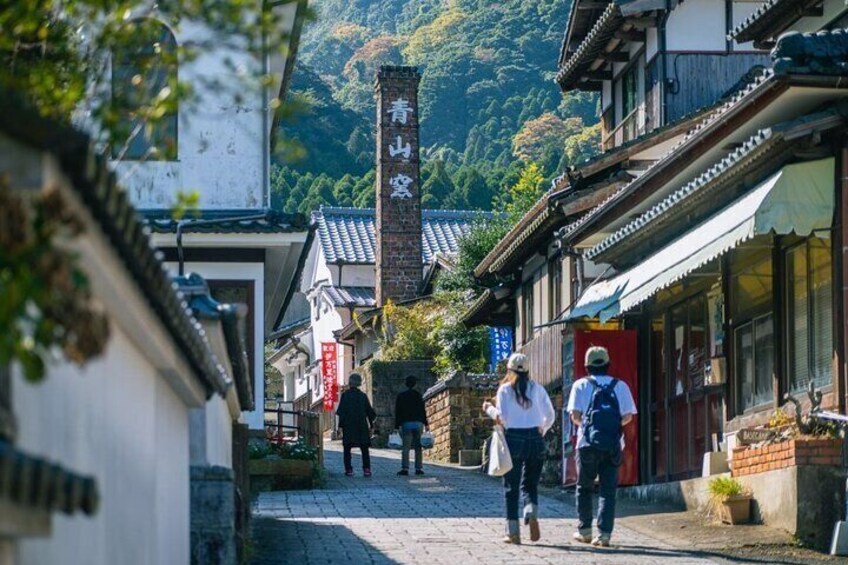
(602, 540)
(582, 538)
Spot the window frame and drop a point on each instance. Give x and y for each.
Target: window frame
(789, 379)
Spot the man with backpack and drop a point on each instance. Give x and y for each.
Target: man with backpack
(600, 406)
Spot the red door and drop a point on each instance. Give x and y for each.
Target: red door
(621, 345)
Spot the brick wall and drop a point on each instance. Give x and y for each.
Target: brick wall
(804, 451)
(382, 381)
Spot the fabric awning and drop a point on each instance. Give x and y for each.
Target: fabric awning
(797, 199)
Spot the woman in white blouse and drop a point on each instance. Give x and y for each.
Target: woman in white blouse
(525, 411)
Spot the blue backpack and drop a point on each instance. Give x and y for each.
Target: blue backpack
(603, 418)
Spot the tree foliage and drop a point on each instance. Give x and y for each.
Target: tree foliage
(487, 77)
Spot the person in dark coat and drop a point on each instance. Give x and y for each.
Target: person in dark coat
(410, 420)
(356, 418)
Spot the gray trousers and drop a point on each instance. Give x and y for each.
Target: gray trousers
(411, 433)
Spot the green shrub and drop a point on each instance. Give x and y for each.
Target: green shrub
(722, 488)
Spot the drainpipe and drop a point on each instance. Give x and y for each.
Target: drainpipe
(661, 36)
(182, 223)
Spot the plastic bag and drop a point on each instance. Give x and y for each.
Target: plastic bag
(395, 442)
(500, 461)
(427, 440)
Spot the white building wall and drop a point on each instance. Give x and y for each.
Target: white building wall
(741, 10)
(222, 144)
(697, 25)
(119, 421)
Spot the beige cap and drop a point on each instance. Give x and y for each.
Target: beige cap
(518, 362)
(597, 356)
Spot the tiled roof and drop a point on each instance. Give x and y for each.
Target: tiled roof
(602, 31)
(757, 145)
(111, 209)
(351, 296)
(473, 381)
(347, 234)
(708, 120)
(262, 220)
(769, 20)
(32, 482)
(681, 194)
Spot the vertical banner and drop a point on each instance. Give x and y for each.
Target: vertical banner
(329, 374)
(500, 345)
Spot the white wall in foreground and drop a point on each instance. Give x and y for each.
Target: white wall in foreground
(118, 420)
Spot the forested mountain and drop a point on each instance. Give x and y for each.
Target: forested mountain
(488, 102)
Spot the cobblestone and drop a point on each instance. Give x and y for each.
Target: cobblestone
(444, 517)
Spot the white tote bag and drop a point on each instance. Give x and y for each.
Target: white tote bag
(395, 442)
(500, 461)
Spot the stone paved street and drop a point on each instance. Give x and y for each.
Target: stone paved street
(448, 516)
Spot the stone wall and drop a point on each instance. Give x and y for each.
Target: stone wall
(382, 381)
(213, 515)
(454, 410)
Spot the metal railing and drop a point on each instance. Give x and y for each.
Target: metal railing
(282, 424)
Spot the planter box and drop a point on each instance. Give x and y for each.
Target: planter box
(281, 474)
(736, 510)
(800, 451)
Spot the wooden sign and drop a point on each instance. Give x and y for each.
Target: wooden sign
(747, 436)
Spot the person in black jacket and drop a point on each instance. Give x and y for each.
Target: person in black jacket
(356, 419)
(410, 420)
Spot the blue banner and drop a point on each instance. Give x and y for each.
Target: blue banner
(500, 345)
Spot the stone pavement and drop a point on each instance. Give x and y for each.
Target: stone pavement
(447, 516)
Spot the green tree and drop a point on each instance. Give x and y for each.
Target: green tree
(436, 184)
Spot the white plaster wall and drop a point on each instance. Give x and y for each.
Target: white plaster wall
(741, 10)
(253, 272)
(697, 25)
(652, 43)
(358, 275)
(222, 142)
(832, 9)
(119, 421)
(219, 433)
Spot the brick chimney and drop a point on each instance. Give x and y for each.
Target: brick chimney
(398, 225)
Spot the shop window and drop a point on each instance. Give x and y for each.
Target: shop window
(629, 91)
(752, 300)
(144, 66)
(809, 319)
(755, 361)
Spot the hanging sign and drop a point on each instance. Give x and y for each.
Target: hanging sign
(500, 345)
(329, 374)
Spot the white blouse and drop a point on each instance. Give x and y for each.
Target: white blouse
(540, 413)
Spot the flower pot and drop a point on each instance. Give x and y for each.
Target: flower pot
(736, 510)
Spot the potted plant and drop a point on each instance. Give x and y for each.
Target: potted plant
(730, 499)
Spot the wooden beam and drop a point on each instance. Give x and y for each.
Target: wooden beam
(643, 23)
(598, 75)
(591, 5)
(588, 86)
(630, 35)
(616, 57)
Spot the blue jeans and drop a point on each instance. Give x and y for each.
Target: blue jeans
(411, 432)
(527, 449)
(603, 464)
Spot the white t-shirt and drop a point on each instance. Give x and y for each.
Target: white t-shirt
(581, 398)
(540, 413)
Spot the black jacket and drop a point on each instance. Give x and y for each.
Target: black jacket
(356, 416)
(409, 407)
